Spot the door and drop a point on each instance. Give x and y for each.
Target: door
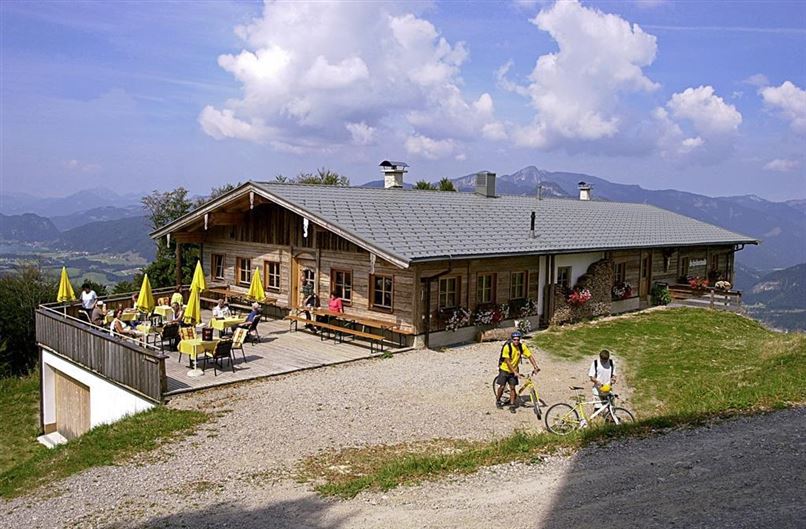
(646, 275)
(303, 270)
(72, 406)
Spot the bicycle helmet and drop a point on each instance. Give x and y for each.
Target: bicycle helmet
(516, 334)
(605, 388)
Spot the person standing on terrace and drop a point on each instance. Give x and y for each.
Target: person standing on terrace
(88, 298)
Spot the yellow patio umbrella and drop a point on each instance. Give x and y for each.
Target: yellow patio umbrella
(198, 278)
(145, 301)
(256, 291)
(193, 311)
(66, 292)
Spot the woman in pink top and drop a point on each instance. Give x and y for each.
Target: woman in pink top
(334, 303)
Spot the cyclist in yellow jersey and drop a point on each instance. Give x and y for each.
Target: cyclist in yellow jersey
(508, 368)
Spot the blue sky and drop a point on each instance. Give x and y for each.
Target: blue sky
(707, 97)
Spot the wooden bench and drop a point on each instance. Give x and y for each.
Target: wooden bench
(375, 341)
(401, 332)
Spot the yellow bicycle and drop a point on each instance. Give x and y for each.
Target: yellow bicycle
(527, 385)
(562, 418)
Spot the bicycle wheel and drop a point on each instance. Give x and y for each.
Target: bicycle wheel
(562, 419)
(535, 404)
(622, 415)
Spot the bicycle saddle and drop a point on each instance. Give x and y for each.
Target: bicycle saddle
(575, 387)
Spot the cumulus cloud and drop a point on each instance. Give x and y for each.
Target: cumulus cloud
(697, 125)
(576, 91)
(782, 165)
(316, 75)
(788, 101)
(758, 79)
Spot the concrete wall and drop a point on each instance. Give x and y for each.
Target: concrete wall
(108, 402)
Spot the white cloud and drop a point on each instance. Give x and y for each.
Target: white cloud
(362, 133)
(782, 165)
(79, 166)
(707, 111)
(576, 91)
(758, 79)
(318, 75)
(428, 147)
(696, 126)
(789, 101)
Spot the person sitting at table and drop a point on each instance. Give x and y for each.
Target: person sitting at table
(118, 327)
(251, 316)
(221, 310)
(177, 298)
(335, 304)
(311, 302)
(98, 314)
(178, 314)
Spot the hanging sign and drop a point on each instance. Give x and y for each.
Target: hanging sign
(697, 262)
(372, 258)
(305, 228)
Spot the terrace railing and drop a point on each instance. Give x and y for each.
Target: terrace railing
(131, 364)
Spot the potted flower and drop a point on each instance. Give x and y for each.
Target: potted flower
(458, 317)
(621, 290)
(579, 297)
(698, 283)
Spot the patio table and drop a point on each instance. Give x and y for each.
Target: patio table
(225, 323)
(125, 316)
(164, 310)
(194, 347)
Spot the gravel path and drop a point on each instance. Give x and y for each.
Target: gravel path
(243, 460)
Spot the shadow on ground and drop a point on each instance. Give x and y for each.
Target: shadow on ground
(743, 473)
(305, 513)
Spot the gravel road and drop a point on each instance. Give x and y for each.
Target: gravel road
(237, 470)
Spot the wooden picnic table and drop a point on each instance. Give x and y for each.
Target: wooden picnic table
(352, 318)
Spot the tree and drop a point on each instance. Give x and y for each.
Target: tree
(21, 292)
(425, 185)
(216, 192)
(164, 208)
(324, 177)
(446, 185)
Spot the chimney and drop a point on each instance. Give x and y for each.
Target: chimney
(584, 191)
(485, 184)
(393, 174)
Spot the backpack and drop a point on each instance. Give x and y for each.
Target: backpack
(501, 356)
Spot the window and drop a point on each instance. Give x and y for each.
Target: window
(342, 283)
(619, 273)
(485, 288)
(448, 292)
(271, 275)
(381, 291)
(217, 268)
(243, 271)
(517, 286)
(564, 276)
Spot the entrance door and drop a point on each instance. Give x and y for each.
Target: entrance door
(646, 276)
(72, 406)
(303, 270)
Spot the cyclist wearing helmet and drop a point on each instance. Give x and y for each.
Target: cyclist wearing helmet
(508, 368)
(603, 375)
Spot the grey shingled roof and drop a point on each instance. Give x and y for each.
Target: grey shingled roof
(417, 225)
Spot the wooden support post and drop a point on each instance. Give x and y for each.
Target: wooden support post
(178, 264)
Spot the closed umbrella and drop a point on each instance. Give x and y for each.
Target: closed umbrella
(198, 278)
(145, 301)
(256, 291)
(66, 292)
(193, 310)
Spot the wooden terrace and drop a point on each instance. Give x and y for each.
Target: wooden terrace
(157, 375)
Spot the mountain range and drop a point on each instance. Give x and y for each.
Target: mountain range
(781, 226)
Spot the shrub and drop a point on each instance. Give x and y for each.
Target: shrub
(660, 294)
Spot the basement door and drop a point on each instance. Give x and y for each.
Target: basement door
(72, 406)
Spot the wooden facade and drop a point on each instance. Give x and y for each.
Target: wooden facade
(287, 250)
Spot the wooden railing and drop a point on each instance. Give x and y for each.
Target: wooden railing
(138, 367)
(708, 297)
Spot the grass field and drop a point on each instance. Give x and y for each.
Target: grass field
(686, 366)
(25, 464)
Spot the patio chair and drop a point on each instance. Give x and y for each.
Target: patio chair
(223, 349)
(187, 333)
(252, 330)
(163, 301)
(83, 316)
(238, 338)
(170, 335)
(156, 320)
